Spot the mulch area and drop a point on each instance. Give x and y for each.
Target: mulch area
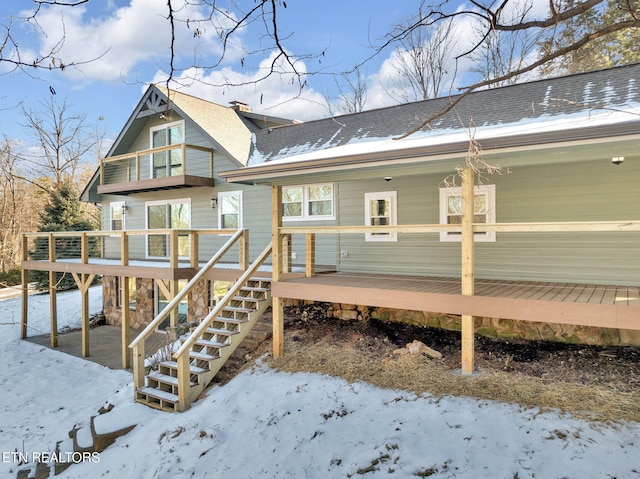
(616, 367)
(599, 383)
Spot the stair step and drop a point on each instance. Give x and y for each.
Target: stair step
(222, 332)
(158, 394)
(174, 365)
(247, 298)
(210, 344)
(255, 289)
(201, 356)
(166, 379)
(224, 319)
(238, 309)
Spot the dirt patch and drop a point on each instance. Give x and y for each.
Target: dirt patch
(593, 382)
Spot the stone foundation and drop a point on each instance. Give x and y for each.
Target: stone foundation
(493, 327)
(199, 301)
(143, 312)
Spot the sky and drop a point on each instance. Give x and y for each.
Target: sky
(269, 424)
(126, 46)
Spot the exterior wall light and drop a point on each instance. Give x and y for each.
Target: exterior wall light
(124, 209)
(214, 203)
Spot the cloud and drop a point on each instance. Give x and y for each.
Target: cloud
(278, 94)
(123, 41)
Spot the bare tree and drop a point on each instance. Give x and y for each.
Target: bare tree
(353, 92)
(502, 52)
(13, 58)
(19, 206)
(229, 18)
(422, 60)
(492, 18)
(63, 141)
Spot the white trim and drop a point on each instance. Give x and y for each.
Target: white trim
(118, 205)
(225, 194)
(306, 201)
(186, 201)
(490, 192)
(392, 198)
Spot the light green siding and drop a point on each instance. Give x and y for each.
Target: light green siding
(588, 191)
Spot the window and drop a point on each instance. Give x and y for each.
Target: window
(161, 302)
(380, 210)
(230, 210)
(116, 215)
(167, 163)
(175, 214)
(307, 202)
(484, 210)
(132, 292)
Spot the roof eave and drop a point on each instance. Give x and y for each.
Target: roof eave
(432, 153)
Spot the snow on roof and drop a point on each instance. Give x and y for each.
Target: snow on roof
(584, 100)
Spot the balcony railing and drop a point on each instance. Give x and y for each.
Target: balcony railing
(84, 251)
(178, 165)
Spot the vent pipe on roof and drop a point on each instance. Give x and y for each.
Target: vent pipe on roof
(240, 106)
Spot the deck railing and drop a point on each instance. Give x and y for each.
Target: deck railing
(307, 246)
(128, 167)
(180, 248)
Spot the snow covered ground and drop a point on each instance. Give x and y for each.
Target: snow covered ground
(268, 424)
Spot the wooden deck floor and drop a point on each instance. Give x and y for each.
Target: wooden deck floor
(570, 303)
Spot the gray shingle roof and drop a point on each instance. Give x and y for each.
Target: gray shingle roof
(613, 88)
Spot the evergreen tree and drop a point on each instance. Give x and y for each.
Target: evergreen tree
(620, 47)
(63, 212)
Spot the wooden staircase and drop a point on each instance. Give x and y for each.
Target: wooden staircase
(204, 350)
(212, 347)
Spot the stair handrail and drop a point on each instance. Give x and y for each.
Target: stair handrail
(182, 354)
(151, 327)
(208, 319)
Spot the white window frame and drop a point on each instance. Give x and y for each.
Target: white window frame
(392, 197)
(186, 201)
(225, 194)
(165, 126)
(132, 297)
(490, 192)
(116, 205)
(306, 202)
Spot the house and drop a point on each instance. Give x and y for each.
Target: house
(518, 204)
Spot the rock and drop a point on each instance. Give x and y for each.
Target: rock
(418, 347)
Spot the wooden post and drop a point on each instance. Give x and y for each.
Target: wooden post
(137, 166)
(184, 388)
(125, 321)
(286, 253)
(53, 299)
(243, 251)
(310, 255)
(174, 258)
(276, 259)
(25, 290)
(194, 251)
(184, 158)
(86, 280)
(138, 365)
(468, 276)
(173, 292)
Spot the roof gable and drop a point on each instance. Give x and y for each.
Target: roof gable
(222, 124)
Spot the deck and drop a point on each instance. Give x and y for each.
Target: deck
(596, 305)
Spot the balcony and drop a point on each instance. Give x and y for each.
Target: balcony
(167, 167)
